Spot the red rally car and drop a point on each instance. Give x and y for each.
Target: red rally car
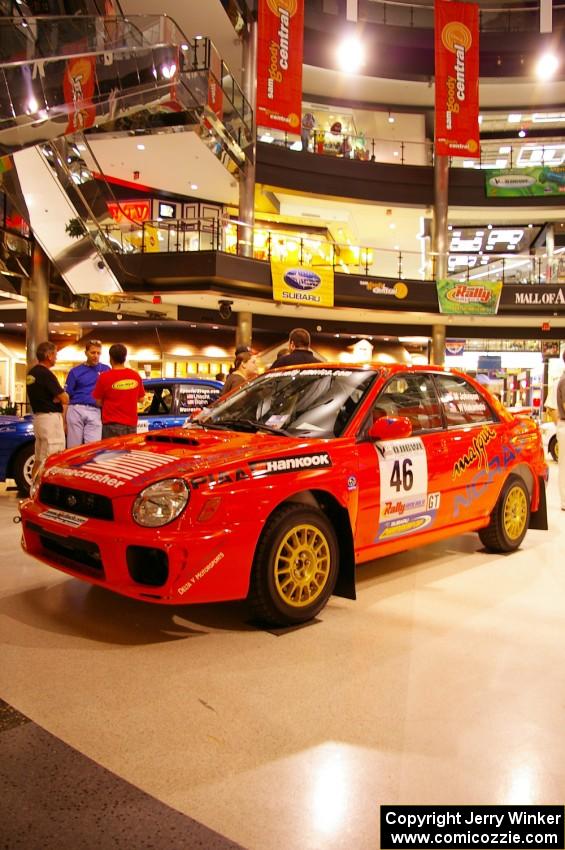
(278, 490)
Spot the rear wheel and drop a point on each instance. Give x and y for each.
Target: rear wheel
(509, 519)
(295, 567)
(23, 465)
(554, 448)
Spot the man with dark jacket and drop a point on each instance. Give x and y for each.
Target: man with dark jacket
(47, 399)
(299, 345)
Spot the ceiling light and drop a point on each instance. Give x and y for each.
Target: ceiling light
(141, 147)
(350, 56)
(390, 118)
(548, 117)
(522, 133)
(546, 66)
(514, 118)
(193, 186)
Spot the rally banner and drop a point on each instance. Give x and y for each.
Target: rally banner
(78, 90)
(279, 64)
(539, 180)
(476, 299)
(456, 79)
(308, 285)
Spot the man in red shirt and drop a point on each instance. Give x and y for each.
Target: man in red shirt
(117, 393)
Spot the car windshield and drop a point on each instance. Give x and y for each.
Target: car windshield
(298, 403)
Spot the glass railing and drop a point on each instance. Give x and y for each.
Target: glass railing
(229, 236)
(509, 18)
(59, 75)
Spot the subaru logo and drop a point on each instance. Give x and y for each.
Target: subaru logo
(71, 501)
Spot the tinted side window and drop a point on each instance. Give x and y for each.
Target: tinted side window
(195, 396)
(413, 396)
(462, 404)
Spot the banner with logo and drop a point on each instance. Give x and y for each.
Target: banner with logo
(215, 92)
(279, 64)
(308, 285)
(135, 211)
(478, 299)
(519, 182)
(455, 347)
(456, 79)
(78, 91)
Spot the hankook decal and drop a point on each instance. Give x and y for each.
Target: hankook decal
(272, 466)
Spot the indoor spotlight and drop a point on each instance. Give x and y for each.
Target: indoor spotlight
(521, 133)
(390, 118)
(546, 66)
(350, 56)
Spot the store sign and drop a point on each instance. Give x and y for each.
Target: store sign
(134, 211)
(541, 180)
(456, 79)
(478, 299)
(470, 247)
(311, 286)
(279, 64)
(534, 299)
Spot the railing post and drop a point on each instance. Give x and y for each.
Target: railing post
(400, 265)
(402, 153)
(503, 269)
(269, 246)
(143, 238)
(372, 150)
(301, 251)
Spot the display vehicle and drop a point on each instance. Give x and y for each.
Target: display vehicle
(277, 491)
(167, 403)
(549, 438)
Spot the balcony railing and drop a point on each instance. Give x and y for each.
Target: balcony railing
(230, 237)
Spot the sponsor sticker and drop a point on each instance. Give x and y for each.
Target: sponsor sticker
(200, 574)
(405, 504)
(273, 466)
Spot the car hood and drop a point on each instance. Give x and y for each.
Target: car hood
(126, 464)
(16, 423)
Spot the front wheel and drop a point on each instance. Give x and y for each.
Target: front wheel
(23, 466)
(295, 566)
(554, 448)
(509, 519)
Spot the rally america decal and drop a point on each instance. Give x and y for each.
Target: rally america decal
(296, 463)
(114, 468)
(405, 504)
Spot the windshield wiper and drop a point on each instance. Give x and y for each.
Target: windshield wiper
(250, 425)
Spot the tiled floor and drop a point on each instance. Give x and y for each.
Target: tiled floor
(442, 683)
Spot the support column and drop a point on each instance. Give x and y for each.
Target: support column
(247, 173)
(440, 242)
(550, 251)
(438, 345)
(37, 311)
(244, 328)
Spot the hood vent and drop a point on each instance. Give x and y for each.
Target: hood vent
(171, 438)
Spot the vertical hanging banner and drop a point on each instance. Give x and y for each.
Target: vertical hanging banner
(279, 64)
(78, 91)
(457, 78)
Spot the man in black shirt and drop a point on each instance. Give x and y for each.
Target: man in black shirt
(299, 345)
(46, 397)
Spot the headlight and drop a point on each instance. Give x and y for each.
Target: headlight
(36, 482)
(161, 503)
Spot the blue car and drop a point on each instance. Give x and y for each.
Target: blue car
(167, 403)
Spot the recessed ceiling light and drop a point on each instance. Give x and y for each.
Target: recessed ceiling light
(141, 147)
(193, 186)
(546, 66)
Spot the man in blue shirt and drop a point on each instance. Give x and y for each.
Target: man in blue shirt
(84, 423)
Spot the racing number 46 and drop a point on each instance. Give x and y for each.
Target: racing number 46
(402, 477)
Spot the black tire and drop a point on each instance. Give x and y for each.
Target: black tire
(295, 566)
(509, 519)
(23, 464)
(554, 448)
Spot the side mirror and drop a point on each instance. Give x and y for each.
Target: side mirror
(390, 428)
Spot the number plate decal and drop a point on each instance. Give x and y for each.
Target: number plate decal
(405, 506)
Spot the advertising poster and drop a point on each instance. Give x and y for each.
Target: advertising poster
(306, 285)
(279, 64)
(477, 299)
(215, 93)
(521, 182)
(456, 79)
(78, 90)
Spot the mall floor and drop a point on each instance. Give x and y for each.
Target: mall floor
(128, 725)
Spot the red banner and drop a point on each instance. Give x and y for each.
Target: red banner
(78, 90)
(457, 78)
(279, 64)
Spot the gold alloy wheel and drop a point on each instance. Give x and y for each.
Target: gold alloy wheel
(302, 565)
(515, 512)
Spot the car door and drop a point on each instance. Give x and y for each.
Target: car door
(477, 454)
(402, 480)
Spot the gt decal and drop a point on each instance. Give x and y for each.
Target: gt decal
(403, 471)
(476, 453)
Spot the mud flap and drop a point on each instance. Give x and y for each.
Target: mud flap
(538, 519)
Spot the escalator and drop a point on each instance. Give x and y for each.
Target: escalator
(60, 77)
